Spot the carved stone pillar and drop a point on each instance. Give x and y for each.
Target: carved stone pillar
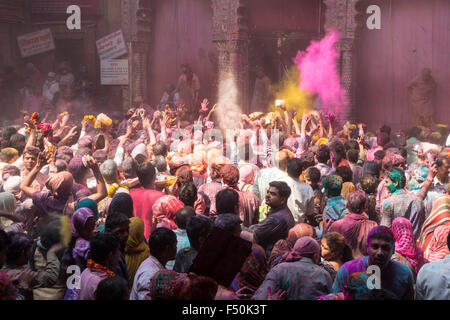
(341, 16)
(230, 34)
(136, 26)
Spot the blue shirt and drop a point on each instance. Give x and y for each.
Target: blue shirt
(395, 277)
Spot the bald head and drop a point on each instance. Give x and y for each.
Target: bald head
(183, 215)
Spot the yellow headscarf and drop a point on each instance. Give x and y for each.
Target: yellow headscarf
(136, 249)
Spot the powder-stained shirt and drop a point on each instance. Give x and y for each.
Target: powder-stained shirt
(334, 210)
(404, 204)
(141, 284)
(302, 280)
(433, 281)
(395, 277)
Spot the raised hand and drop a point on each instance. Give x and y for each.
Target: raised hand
(279, 295)
(205, 104)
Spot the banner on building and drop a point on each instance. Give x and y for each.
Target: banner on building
(35, 42)
(114, 72)
(111, 46)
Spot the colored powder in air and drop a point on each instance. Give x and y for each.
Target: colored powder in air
(319, 74)
(228, 113)
(289, 91)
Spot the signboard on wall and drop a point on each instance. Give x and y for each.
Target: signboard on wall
(55, 10)
(111, 46)
(36, 42)
(114, 72)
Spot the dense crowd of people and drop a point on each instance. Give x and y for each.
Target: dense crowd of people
(128, 208)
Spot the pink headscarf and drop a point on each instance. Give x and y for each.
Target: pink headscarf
(165, 209)
(304, 245)
(404, 242)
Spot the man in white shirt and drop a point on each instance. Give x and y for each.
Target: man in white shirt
(163, 248)
(301, 200)
(50, 88)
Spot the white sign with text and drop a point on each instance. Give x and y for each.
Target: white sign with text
(111, 46)
(114, 72)
(36, 42)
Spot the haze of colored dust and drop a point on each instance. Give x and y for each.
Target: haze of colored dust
(319, 74)
(228, 113)
(288, 90)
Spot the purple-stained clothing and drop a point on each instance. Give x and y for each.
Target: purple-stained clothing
(275, 227)
(395, 277)
(208, 191)
(404, 204)
(46, 202)
(90, 279)
(355, 228)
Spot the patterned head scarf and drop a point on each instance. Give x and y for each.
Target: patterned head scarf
(165, 209)
(254, 270)
(230, 175)
(404, 242)
(304, 245)
(78, 221)
(85, 142)
(60, 183)
(298, 231)
(168, 285)
(7, 202)
(437, 248)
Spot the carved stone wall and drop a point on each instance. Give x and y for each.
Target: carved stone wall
(230, 34)
(342, 16)
(136, 26)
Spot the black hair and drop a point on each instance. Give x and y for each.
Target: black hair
(386, 129)
(283, 189)
(8, 132)
(336, 244)
(20, 243)
(294, 168)
(183, 215)
(102, 244)
(337, 147)
(115, 220)
(345, 173)
(5, 240)
(352, 155)
(50, 234)
(313, 174)
(379, 154)
(160, 149)
(198, 226)
(146, 173)
(323, 154)
(414, 132)
(188, 193)
(160, 163)
(115, 288)
(351, 145)
(18, 142)
(307, 160)
(228, 222)
(159, 239)
(226, 201)
(372, 168)
(381, 234)
(333, 185)
(378, 294)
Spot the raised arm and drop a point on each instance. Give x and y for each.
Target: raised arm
(101, 186)
(25, 186)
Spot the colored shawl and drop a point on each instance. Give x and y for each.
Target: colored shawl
(304, 245)
(164, 211)
(123, 203)
(347, 188)
(88, 203)
(279, 249)
(437, 248)
(60, 183)
(136, 250)
(440, 215)
(168, 285)
(404, 242)
(253, 271)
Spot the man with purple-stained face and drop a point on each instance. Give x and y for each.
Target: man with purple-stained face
(389, 275)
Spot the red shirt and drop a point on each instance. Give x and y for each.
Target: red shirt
(143, 200)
